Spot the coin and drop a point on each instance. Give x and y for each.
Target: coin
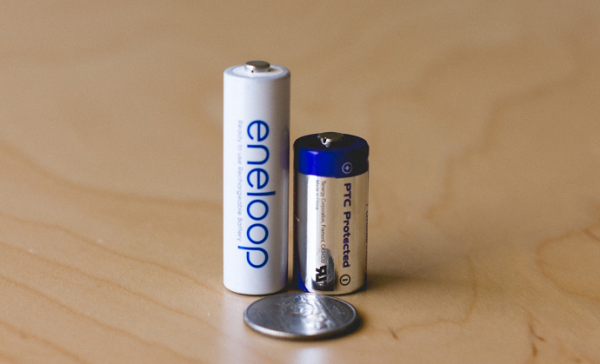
(300, 316)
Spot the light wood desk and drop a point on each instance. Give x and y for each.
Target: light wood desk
(484, 125)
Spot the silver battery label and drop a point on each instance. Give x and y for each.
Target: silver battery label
(330, 232)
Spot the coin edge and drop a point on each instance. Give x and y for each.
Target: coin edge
(291, 336)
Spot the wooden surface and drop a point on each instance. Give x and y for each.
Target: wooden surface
(484, 124)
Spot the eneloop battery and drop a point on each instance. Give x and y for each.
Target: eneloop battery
(331, 201)
(256, 119)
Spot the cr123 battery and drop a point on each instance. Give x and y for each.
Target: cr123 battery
(331, 200)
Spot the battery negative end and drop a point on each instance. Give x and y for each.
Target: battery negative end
(257, 66)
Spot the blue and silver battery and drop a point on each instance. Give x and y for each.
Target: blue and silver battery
(331, 202)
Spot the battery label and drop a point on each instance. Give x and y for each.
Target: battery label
(331, 232)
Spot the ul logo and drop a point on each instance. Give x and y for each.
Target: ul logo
(321, 274)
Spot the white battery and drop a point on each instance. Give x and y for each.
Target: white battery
(256, 119)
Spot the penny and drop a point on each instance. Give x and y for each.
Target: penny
(300, 316)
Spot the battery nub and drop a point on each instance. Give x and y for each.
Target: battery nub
(330, 137)
(257, 66)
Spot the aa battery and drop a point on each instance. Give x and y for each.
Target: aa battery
(256, 109)
(331, 200)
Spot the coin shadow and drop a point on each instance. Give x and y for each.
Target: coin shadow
(357, 324)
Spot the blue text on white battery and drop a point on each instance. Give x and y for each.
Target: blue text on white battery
(257, 179)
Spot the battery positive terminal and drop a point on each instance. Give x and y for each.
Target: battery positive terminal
(257, 66)
(330, 137)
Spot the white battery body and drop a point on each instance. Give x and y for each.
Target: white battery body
(256, 114)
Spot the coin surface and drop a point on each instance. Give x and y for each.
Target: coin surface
(300, 316)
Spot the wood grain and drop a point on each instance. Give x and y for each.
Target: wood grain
(484, 125)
